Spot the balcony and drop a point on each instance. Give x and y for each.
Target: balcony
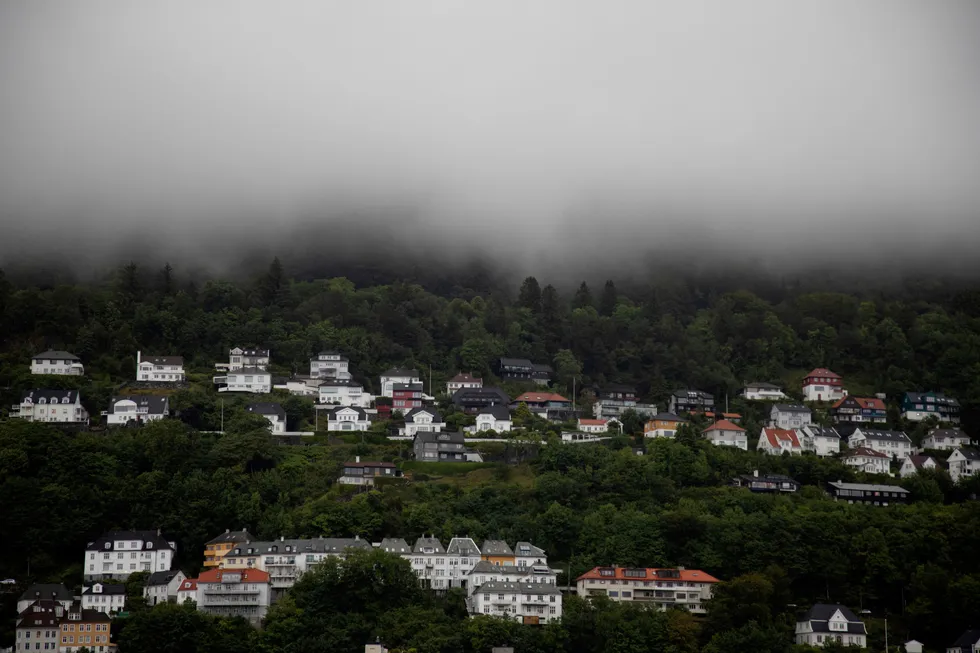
(220, 379)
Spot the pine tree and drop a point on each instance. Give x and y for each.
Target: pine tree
(530, 295)
(167, 280)
(583, 297)
(607, 304)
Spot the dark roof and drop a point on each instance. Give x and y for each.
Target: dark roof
(528, 549)
(772, 478)
(541, 369)
(440, 436)
(162, 577)
(496, 548)
(87, 614)
(46, 616)
(400, 371)
(762, 384)
(791, 408)
(969, 453)
(48, 395)
(919, 460)
(465, 546)
(394, 545)
(361, 413)
(692, 394)
(868, 487)
(485, 566)
(338, 382)
(967, 639)
(267, 408)
(820, 614)
(152, 540)
(488, 392)
(499, 412)
(822, 431)
(668, 417)
(313, 545)
(106, 589)
(876, 434)
(410, 415)
(418, 387)
(56, 354)
(250, 352)
(155, 404)
(371, 464)
(232, 536)
(919, 397)
(55, 591)
(516, 362)
(429, 543)
(339, 356)
(947, 433)
(162, 360)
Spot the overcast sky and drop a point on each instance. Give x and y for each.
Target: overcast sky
(805, 123)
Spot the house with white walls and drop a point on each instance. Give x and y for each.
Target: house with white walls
(914, 463)
(891, 443)
(245, 379)
(422, 419)
(724, 433)
(344, 393)
(330, 365)
(245, 357)
(945, 439)
(789, 416)
(462, 380)
(963, 462)
(347, 418)
(273, 412)
(104, 597)
(527, 603)
(243, 593)
(760, 391)
(58, 406)
(494, 418)
(775, 441)
(820, 440)
(823, 385)
(57, 362)
(162, 369)
(162, 586)
(117, 554)
(597, 425)
(135, 410)
(867, 460)
(825, 623)
(397, 375)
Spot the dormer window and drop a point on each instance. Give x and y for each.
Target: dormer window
(42, 400)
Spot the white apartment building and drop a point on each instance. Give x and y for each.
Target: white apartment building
(245, 379)
(425, 420)
(241, 358)
(344, 393)
(117, 554)
(138, 409)
(57, 362)
(273, 412)
(162, 586)
(820, 440)
(945, 439)
(487, 572)
(826, 623)
(55, 592)
(963, 462)
(789, 416)
(661, 588)
(529, 603)
(330, 365)
(867, 460)
(102, 597)
(347, 418)
(38, 626)
(890, 443)
(166, 369)
(759, 391)
(726, 434)
(234, 593)
(397, 375)
(60, 406)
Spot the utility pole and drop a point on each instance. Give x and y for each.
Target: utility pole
(430, 379)
(222, 415)
(573, 394)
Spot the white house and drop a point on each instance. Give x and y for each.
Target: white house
(724, 433)
(789, 416)
(301, 386)
(187, 591)
(273, 412)
(963, 462)
(826, 623)
(422, 419)
(162, 586)
(344, 393)
(823, 385)
(488, 572)
(61, 406)
(245, 379)
(775, 441)
(759, 391)
(655, 588)
(867, 460)
(241, 357)
(234, 593)
(167, 369)
(330, 365)
(891, 443)
(821, 440)
(461, 381)
(117, 554)
(398, 375)
(912, 464)
(913, 646)
(57, 362)
(347, 418)
(968, 642)
(109, 599)
(945, 439)
(53, 592)
(596, 425)
(138, 409)
(529, 603)
(494, 418)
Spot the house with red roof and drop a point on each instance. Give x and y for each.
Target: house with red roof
(823, 385)
(867, 460)
(774, 441)
(726, 434)
(597, 425)
(234, 593)
(660, 588)
(463, 380)
(187, 590)
(545, 404)
(914, 463)
(859, 410)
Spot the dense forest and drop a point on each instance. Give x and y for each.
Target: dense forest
(586, 505)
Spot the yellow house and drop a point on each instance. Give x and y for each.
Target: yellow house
(662, 425)
(88, 629)
(497, 552)
(216, 550)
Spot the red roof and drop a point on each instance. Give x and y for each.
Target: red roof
(248, 575)
(686, 575)
(776, 436)
(864, 451)
(539, 397)
(723, 425)
(189, 585)
(864, 402)
(592, 422)
(824, 372)
(725, 415)
(465, 378)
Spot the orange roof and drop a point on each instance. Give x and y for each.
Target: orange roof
(725, 415)
(864, 402)
(538, 397)
(864, 451)
(823, 371)
(687, 575)
(592, 422)
(723, 425)
(775, 436)
(248, 575)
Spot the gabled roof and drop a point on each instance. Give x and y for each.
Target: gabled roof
(777, 436)
(463, 377)
(410, 415)
(858, 452)
(526, 549)
(540, 397)
(231, 537)
(105, 587)
(42, 613)
(820, 614)
(541, 369)
(723, 425)
(250, 352)
(947, 433)
(498, 411)
(496, 548)
(162, 360)
(154, 404)
(791, 408)
(401, 372)
(394, 545)
(52, 591)
(189, 585)
(464, 546)
(371, 464)
(248, 575)
(33, 396)
(361, 413)
(868, 487)
(56, 354)
(487, 567)
(267, 408)
(428, 543)
(919, 461)
(652, 573)
(941, 399)
(821, 431)
(161, 577)
(516, 362)
(762, 385)
(879, 434)
(87, 615)
(967, 639)
(519, 588)
(823, 372)
(592, 422)
(867, 403)
(667, 417)
(968, 452)
(487, 392)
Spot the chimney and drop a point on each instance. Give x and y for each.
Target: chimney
(357, 459)
(158, 532)
(282, 538)
(227, 530)
(755, 473)
(137, 358)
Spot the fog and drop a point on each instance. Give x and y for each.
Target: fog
(548, 135)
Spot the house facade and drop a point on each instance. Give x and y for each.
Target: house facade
(162, 586)
(245, 379)
(820, 440)
(494, 418)
(775, 441)
(275, 413)
(39, 624)
(968, 642)
(234, 593)
(515, 369)
(52, 592)
(401, 376)
(486, 572)
(548, 405)
(963, 462)
(614, 400)
(660, 588)
(913, 463)
(103, 597)
(724, 433)
(867, 460)
(528, 603)
(823, 385)
(406, 396)
(343, 393)
(347, 418)
(216, 549)
(245, 358)
(58, 406)
(61, 363)
(690, 401)
(773, 483)
(137, 409)
(441, 568)
(873, 494)
(945, 439)
(187, 591)
(422, 419)
(364, 474)
(85, 629)
(759, 391)
(162, 369)
(330, 365)
(440, 447)
(790, 416)
(541, 374)
(920, 406)
(595, 425)
(662, 425)
(825, 623)
(117, 554)
(891, 443)
(859, 410)
(461, 381)
(473, 400)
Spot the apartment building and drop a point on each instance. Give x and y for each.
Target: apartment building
(663, 588)
(528, 603)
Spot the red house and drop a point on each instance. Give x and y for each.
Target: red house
(823, 385)
(406, 396)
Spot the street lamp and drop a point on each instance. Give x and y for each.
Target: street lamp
(868, 613)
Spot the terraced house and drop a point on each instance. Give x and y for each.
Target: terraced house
(117, 554)
(661, 588)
